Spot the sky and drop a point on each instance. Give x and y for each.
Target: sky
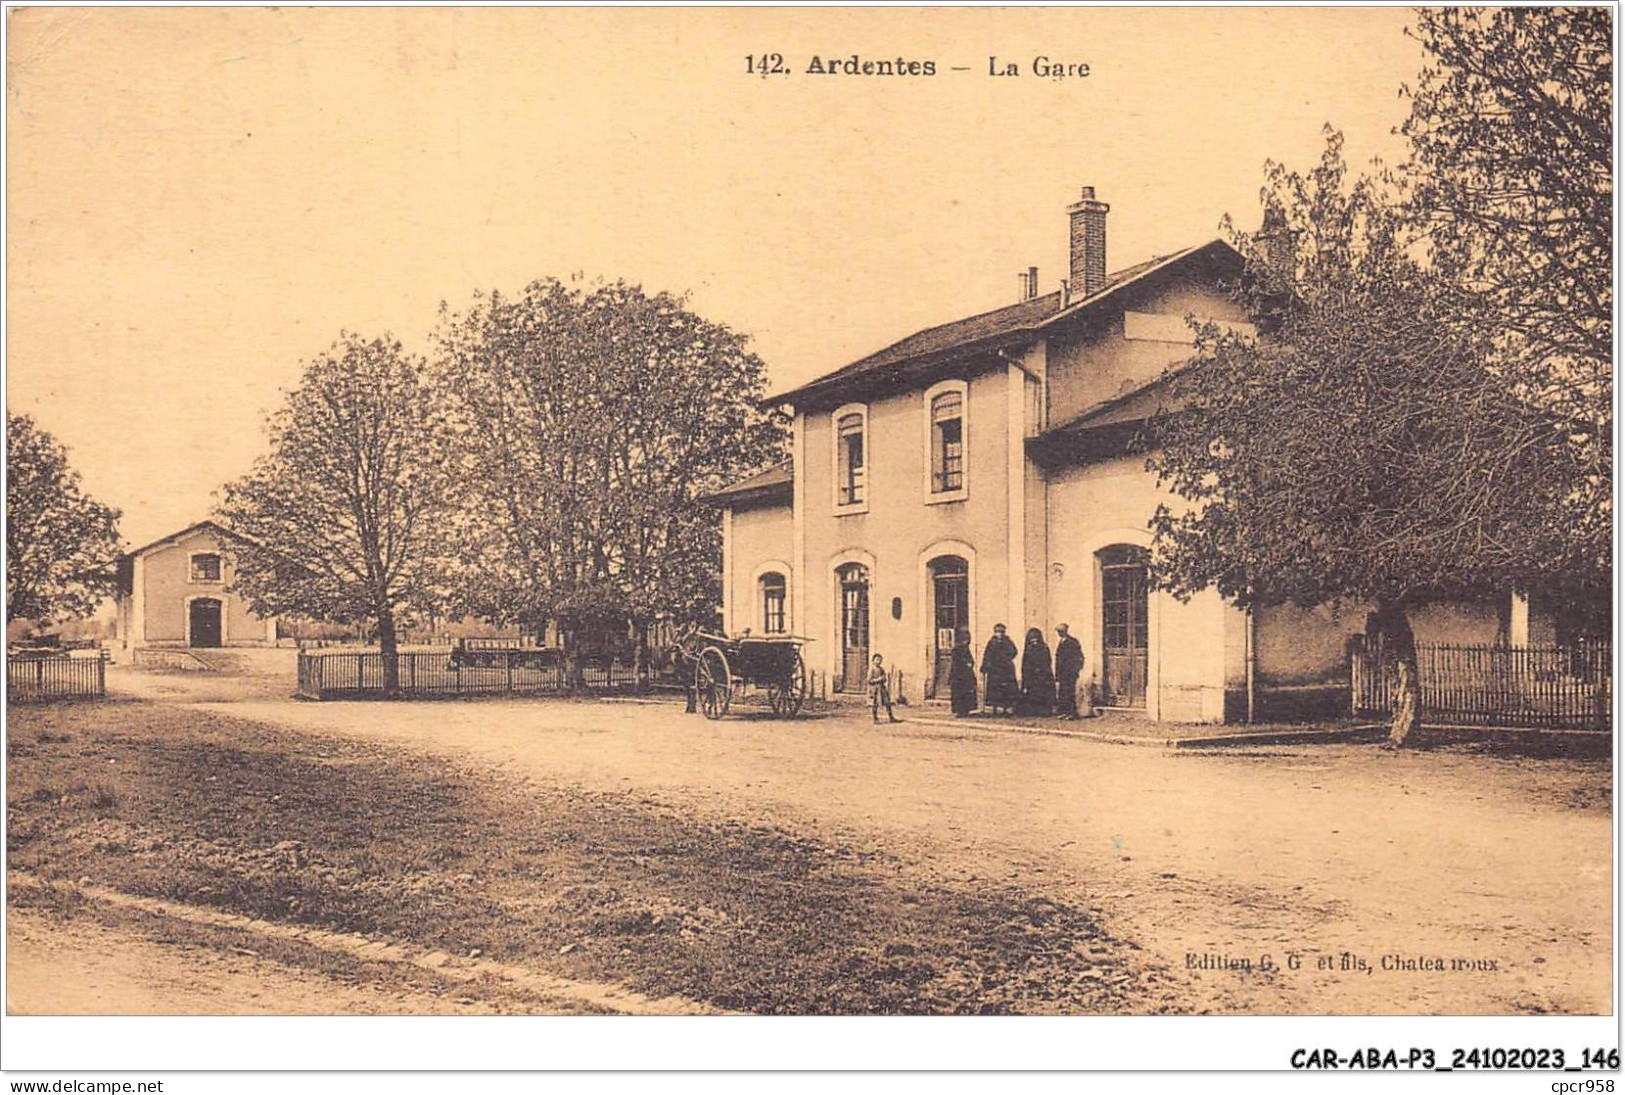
(200, 200)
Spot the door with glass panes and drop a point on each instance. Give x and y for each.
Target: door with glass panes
(854, 599)
(950, 606)
(1124, 635)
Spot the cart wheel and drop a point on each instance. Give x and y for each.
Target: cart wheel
(713, 683)
(795, 689)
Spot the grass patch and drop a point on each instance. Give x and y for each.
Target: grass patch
(347, 836)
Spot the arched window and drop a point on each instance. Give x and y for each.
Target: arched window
(947, 443)
(946, 419)
(849, 459)
(772, 591)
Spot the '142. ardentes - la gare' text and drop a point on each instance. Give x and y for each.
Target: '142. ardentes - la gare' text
(1040, 65)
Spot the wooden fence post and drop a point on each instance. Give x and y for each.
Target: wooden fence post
(1354, 678)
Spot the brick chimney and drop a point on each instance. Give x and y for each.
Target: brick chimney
(1029, 283)
(1277, 248)
(1088, 245)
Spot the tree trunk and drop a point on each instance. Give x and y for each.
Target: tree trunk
(572, 659)
(1398, 644)
(640, 653)
(388, 649)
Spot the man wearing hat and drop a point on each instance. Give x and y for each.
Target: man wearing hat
(1068, 665)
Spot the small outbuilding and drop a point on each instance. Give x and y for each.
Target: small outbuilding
(173, 592)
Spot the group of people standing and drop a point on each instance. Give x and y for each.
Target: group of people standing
(1047, 686)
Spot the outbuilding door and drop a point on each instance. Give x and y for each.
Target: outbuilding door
(854, 585)
(204, 620)
(1124, 636)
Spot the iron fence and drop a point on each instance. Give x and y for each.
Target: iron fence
(1560, 687)
(35, 678)
(323, 676)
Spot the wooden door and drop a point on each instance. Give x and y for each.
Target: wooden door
(1124, 635)
(950, 598)
(205, 622)
(854, 583)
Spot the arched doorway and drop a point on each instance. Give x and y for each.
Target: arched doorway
(950, 611)
(203, 622)
(1124, 631)
(852, 582)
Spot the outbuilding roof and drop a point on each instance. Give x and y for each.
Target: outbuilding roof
(201, 526)
(773, 485)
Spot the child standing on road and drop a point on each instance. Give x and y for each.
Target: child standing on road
(880, 691)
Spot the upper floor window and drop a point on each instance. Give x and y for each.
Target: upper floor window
(947, 442)
(945, 472)
(773, 596)
(206, 567)
(851, 457)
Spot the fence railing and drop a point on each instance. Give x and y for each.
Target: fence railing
(353, 675)
(35, 679)
(526, 642)
(1561, 687)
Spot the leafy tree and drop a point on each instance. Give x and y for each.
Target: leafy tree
(62, 548)
(594, 418)
(1511, 130)
(1512, 142)
(1367, 447)
(345, 518)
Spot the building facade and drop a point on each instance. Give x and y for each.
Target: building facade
(173, 592)
(985, 472)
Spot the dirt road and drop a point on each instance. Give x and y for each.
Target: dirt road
(96, 966)
(1295, 880)
(1320, 851)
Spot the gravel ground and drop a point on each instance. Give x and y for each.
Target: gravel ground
(904, 868)
(358, 838)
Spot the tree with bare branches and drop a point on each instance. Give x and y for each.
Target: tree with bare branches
(1511, 186)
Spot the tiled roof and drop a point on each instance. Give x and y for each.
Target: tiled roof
(201, 526)
(1111, 427)
(761, 486)
(1135, 405)
(986, 331)
(1024, 316)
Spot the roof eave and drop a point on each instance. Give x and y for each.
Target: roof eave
(176, 537)
(777, 494)
(1081, 306)
(1090, 445)
(820, 391)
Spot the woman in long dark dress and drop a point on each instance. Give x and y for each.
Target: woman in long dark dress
(1037, 676)
(999, 668)
(962, 674)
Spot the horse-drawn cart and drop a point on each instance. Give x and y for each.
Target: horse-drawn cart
(722, 666)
